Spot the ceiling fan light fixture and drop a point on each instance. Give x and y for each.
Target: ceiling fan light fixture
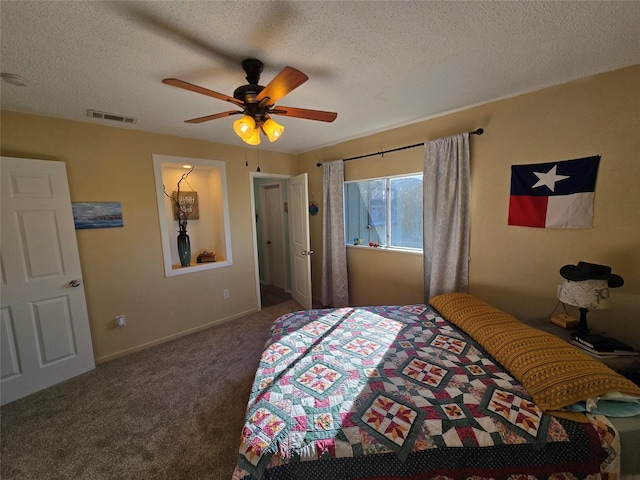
(272, 129)
(245, 127)
(257, 102)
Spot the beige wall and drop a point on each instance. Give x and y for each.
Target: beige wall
(516, 268)
(123, 267)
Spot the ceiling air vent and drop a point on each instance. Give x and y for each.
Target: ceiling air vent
(110, 116)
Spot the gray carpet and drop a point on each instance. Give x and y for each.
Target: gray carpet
(173, 411)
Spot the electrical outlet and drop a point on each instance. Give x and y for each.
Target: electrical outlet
(121, 321)
(225, 293)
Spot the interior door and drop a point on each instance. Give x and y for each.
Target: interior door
(299, 240)
(44, 325)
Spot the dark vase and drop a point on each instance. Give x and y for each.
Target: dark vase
(184, 247)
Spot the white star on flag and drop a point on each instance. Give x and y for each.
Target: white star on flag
(549, 179)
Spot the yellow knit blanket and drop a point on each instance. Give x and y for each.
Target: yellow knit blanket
(555, 373)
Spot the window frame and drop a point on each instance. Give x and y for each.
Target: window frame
(388, 225)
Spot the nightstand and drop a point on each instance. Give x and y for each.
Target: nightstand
(628, 366)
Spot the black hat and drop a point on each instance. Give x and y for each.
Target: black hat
(591, 271)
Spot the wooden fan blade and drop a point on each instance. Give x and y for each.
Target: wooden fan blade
(304, 113)
(204, 91)
(287, 80)
(213, 117)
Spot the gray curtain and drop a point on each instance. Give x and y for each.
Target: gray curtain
(335, 285)
(446, 215)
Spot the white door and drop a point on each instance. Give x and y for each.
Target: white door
(271, 206)
(44, 325)
(298, 196)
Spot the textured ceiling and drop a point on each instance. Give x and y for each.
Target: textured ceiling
(378, 64)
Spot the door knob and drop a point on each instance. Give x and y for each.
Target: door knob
(74, 283)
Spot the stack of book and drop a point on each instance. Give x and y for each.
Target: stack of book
(602, 347)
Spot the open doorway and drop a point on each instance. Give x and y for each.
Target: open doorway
(269, 194)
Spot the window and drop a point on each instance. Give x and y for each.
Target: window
(387, 211)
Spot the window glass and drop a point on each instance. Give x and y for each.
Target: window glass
(365, 211)
(387, 211)
(406, 212)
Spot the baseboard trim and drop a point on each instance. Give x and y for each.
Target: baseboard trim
(153, 343)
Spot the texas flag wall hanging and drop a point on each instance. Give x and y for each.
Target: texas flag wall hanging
(553, 195)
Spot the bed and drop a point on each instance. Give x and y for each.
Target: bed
(452, 390)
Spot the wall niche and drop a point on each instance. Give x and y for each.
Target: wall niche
(209, 232)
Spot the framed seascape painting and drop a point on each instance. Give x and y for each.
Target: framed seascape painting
(97, 215)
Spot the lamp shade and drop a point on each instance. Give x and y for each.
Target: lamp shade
(244, 127)
(254, 138)
(589, 294)
(272, 129)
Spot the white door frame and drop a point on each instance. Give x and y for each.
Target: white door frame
(252, 176)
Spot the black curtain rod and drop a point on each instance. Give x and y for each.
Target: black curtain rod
(479, 131)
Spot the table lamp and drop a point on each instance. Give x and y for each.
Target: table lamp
(586, 295)
(586, 286)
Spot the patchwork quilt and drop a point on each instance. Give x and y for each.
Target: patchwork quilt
(398, 392)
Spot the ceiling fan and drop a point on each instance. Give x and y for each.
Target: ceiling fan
(258, 103)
